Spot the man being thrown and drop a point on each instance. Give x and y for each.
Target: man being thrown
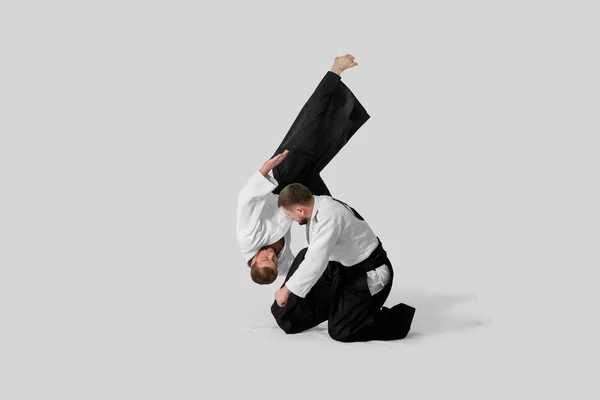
(351, 296)
(327, 121)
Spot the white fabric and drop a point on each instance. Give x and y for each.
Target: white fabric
(378, 278)
(260, 222)
(335, 234)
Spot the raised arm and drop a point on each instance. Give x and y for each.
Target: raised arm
(253, 196)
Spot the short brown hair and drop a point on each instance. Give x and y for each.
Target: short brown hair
(262, 276)
(294, 194)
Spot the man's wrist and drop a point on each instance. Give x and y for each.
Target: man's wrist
(264, 171)
(337, 70)
(286, 290)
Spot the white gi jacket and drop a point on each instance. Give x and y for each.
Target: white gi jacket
(335, 234)
(260, 222)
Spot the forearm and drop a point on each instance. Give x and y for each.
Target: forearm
(308, 273)
(257, 187)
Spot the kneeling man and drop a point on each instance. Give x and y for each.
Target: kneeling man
(344, 276)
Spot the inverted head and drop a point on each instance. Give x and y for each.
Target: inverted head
(263, 266)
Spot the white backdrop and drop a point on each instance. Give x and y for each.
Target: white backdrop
(128, 128)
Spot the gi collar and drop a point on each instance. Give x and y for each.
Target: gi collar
(315, 210)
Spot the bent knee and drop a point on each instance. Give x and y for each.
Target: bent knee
(288, 326)
(338, 335)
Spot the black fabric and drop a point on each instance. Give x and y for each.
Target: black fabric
(328, 120)
(301, 314)
(342, 297)
(358, 316)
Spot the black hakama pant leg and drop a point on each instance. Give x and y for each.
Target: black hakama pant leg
(358, 316)
(300, 314)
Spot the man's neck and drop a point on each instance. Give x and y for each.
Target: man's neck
(277, 246)
(310, 209)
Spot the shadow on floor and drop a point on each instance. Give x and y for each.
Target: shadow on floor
(436, 312)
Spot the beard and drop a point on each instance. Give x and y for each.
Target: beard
(303, 221)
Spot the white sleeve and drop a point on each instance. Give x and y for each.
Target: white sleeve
(317, 256)
(251, 201)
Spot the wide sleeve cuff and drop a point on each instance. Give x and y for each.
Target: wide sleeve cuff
(259, 185)
(296, 289)
(270, 179)
(333, 75)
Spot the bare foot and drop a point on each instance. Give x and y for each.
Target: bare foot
(342, 63)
